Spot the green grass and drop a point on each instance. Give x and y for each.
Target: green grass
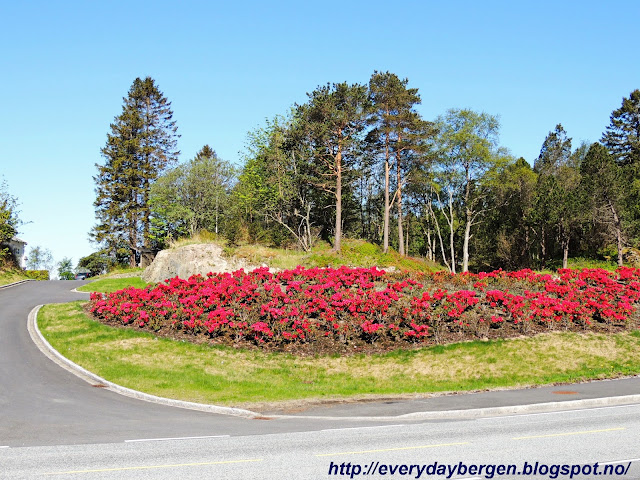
(355, 253)
(108, 285)
(122, 271)
(12, 275)
(227, 376)
(580, 263)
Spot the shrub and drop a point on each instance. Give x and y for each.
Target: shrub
(37, 274)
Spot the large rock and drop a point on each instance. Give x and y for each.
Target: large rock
(191, 260)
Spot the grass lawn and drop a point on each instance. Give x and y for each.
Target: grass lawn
(226, 376)
(108, 285)
(11, 276)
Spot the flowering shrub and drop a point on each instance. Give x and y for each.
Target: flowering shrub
(367, 306)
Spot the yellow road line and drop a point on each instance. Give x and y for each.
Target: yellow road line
(392, 449)
(149, 467)
(569, 433)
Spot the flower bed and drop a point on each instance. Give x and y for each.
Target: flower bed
(368, 309)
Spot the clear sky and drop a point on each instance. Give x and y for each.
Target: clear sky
(226, 66)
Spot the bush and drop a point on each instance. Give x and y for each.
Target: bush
(37, 274)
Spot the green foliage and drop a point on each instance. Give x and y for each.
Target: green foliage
(39, 258)
(37, 274)
(9, 221)
(65, 269)
(139, 147)
(622, 136)
(192, 197)
(333, 121)
(97, 263)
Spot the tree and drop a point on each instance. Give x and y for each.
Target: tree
(332, 121)
(141, 145)
(468, 146)
(275, 184)
(505, 239)
(65, 269)
(622, 139)
(398, 131)
(622, 136)
(39, 258)
(97, 263)
(191, 197)
(557, 200)
(9, 221)
(602, 183)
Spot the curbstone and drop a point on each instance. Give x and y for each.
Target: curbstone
(45, 347)
(16, 283)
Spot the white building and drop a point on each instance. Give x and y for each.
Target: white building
(17, 247)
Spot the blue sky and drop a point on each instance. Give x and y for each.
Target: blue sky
(226, 66)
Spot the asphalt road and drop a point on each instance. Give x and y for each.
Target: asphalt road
(55, 425)
(609, 435)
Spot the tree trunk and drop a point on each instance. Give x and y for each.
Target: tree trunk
(565, 252)
(465, 245)
(543, 248)
(439, 233)
(406, 239)
(401, 250)
(618, 227)
(385, 244)
(451, 233)
(337, 245)
(468, 220)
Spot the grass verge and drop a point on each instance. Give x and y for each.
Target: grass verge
(11, 276)
(226, 376)
(108, 285)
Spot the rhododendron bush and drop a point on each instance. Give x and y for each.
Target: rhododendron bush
(361, 307)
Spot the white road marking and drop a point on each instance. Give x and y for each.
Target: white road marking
(174, 438)
(564, 412)
(7, 446)
(620, 461)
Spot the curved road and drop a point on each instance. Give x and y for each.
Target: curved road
(52, 424)
(43, 404)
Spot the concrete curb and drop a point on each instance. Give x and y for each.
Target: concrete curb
(475, 413)
(46, 348)
(89, 377)
(8, 285)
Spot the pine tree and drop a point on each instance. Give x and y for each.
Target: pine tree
(140, 146)
(333, 120)
(398, 131)
(622, 137)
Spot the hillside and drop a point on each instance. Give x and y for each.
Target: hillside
(187, 258)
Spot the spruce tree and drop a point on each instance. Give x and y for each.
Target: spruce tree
(140, 146)
(622, 137)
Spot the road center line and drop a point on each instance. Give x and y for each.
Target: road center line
(174, 438)
(569, 433)
(150, 467)
(361, 428)
(391, 449)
